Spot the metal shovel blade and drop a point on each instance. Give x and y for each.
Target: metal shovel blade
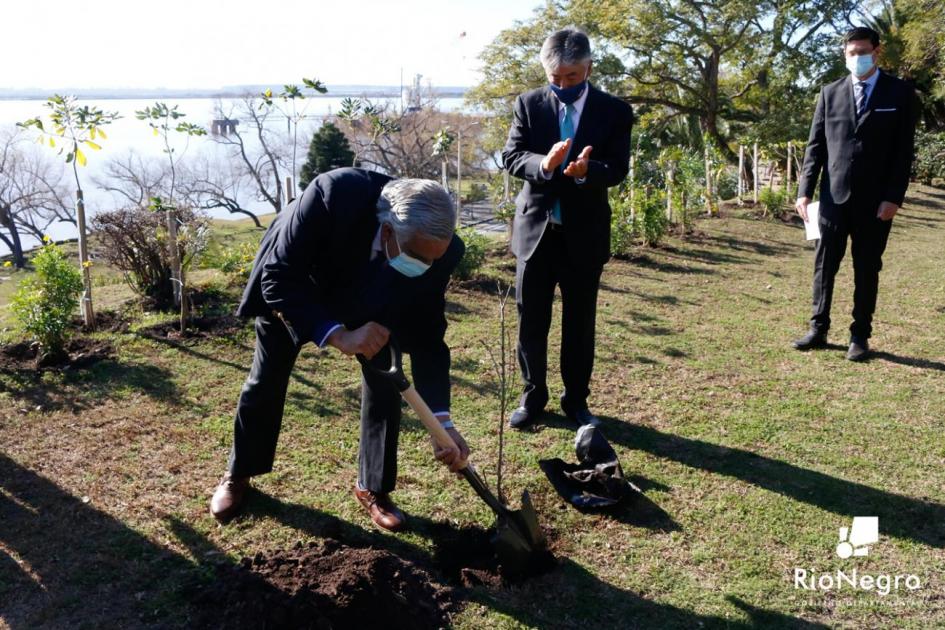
(519, 542)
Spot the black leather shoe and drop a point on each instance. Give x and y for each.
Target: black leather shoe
(811, 341)
(859, 349)
(522, 418)
(583, 416)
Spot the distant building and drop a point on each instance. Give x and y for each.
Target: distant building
(223, 126)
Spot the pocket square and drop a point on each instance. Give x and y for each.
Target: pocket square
(887, 109)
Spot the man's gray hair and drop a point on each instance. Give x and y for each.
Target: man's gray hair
(564, 48)
(417, 206)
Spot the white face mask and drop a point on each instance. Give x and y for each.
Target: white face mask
(860, 65)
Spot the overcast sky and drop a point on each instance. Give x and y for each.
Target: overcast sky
(201, 43)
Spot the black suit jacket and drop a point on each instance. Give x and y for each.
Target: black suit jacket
(313, 269)
(869, 159)
(605, 125)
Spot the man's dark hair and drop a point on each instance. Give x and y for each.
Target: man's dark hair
(861, 32)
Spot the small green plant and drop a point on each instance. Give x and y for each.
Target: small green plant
(621, 223)
(45, 302)
(929, 165)
(475, 255)
(477, 192)
(772, 201)
(235, 261)
(649, 216)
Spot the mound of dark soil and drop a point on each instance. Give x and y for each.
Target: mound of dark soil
(197, 327)
(325, 585)
(79, 352)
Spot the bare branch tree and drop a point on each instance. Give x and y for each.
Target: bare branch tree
(133, 179)
(208, 183)
(407, 145)
(265, 158)
(33, 193)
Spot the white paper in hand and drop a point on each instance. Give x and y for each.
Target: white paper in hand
(812, 224)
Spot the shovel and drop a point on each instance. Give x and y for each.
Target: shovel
(518, 541)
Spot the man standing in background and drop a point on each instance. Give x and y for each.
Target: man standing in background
(570, 142)
(861, 146)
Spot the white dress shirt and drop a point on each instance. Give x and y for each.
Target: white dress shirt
(870, 86)
(578, 106)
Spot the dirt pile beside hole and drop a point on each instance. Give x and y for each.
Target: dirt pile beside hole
(79, 352)
(325, 585)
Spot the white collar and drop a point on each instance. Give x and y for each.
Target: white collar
(871, 82)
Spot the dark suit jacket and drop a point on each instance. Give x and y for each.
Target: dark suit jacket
(869, 159)
(313, 268)
(605, 125)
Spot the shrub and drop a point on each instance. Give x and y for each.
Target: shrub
(773, 201)
(134, 240)
(477, 192)
(649, 216)
(475, 255)
(929, 161)
(727, 183)
(621, 227)
(235, 260)
(45, 302)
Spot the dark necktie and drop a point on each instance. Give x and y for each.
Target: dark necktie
(861, 97)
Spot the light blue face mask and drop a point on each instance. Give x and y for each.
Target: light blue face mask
(859, 65)
(407, 265)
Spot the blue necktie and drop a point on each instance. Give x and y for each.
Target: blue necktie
(567, 133)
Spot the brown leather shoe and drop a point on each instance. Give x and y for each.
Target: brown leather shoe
(228, 498)
(383, 512)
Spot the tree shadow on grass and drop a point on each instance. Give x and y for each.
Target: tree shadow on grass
(190, 351)
(573, 597)
(705, 256)
(644, 261)
(904, 517)
(570, 589)
(73, 565)
(773, 248)
(67, 564)
(89, 388)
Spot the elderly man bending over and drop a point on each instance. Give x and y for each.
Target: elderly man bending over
(356, 257)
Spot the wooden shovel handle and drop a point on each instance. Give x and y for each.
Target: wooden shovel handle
(432, 424)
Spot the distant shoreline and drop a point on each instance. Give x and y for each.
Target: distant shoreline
(236, 91)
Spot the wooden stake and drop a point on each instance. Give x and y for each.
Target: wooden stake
(741, 173)
(754, 168)
(88, 315)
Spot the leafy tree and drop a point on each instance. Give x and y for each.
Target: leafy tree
(291, 94)
(329, 149)
(913, 36)
(730, 65)
(76, 128)
(164, 120)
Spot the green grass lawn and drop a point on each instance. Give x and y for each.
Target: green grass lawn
(750, 455)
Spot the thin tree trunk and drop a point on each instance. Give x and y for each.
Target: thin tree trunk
(16, 246)
(88, 314)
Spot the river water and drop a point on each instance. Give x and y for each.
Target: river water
(130, 134)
